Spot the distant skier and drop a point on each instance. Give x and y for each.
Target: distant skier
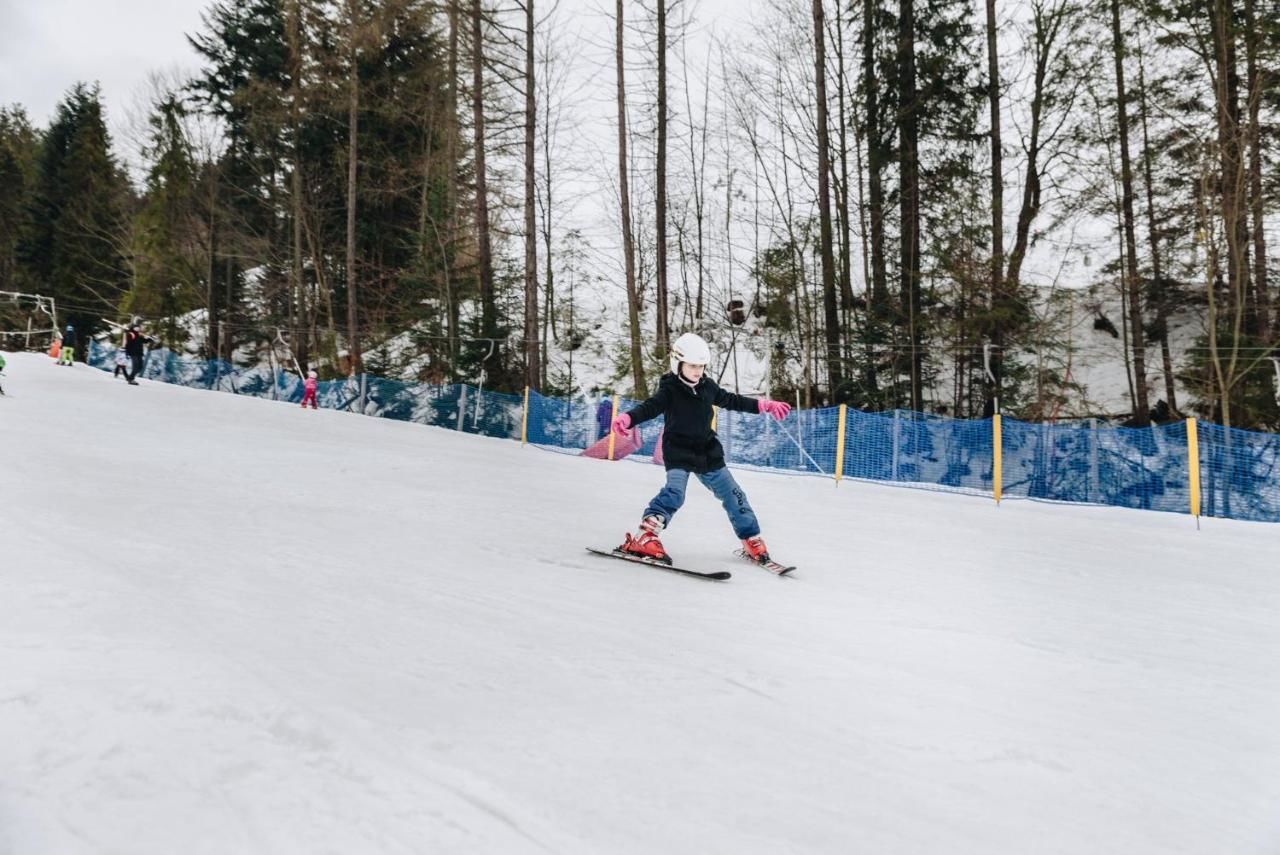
(134, 342)
(122, 364)
(309, 393)
(686, 398)
(604, 414)
(67, 356)
(1, 372)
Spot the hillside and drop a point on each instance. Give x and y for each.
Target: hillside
(228, 625)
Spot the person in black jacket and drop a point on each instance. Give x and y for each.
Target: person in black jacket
(133, 344)
(687, 398)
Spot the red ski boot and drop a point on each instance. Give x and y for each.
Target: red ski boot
(646, 544)
(754, 548)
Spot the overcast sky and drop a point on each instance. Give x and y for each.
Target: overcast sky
(49, 45)
(46, 46)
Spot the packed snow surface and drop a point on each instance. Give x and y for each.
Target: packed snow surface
(231, 626)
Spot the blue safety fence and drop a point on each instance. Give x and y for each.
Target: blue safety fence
(1082, 462)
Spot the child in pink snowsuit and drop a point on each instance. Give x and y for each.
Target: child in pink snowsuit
(309, 385)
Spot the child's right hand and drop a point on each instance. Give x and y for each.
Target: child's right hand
(622, 424)
(777, 409)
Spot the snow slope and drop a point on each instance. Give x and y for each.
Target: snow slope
(229, 626)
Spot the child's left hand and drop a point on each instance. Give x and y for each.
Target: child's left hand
(777, 409)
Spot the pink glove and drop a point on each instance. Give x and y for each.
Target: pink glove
(622, 424)
(777, 409)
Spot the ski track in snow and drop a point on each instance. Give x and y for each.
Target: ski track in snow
(228, 625)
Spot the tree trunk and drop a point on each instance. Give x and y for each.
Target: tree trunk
(999, 300)
(298, 299)
(1047, 26)
(870, 375)
(908, 141)
(549, 302)
(488, 303)
(1133, 284)
(212, 343)
(628, 242)
(353, 107)
(1257, 83)
(1160, 287)
(1226, 97)
(663, 338)
(842, 198)
(876, 158)
(831, 315)
(533, 373)
(452, 309)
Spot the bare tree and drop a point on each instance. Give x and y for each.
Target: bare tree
(660, 217)
(1133, 284)
(1258, 81)
(488, 303)
(998, 298)
(298, 296)
(1226, 89)
(831, 316)
(628, 239)
(533, 374)
(909, 195)
(1159, 284)
(876, 158)
(353, 157)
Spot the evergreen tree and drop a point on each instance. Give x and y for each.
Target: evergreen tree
(167, 240)
(19, 152)
(244, 84)
(75, 247)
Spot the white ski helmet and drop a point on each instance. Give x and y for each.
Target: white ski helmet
(689, 348)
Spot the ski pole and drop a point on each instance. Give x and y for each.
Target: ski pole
(801, 447)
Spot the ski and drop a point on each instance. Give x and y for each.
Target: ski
(770, 565)
(717, 576)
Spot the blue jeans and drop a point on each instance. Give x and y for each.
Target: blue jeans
(721, 483)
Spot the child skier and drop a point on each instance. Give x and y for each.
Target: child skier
(309, 390)
(122, 365)
(689, 445)
(67, 356)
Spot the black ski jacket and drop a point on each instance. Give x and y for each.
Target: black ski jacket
(133, 343)
(688, 442)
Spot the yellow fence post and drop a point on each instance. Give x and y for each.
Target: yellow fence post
(612, 435)
(997, 466)
(524, 423)
(1193, 467)
(840, 444)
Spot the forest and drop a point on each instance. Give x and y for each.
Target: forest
(906, 204)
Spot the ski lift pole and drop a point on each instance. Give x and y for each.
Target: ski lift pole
(997, 431)
(287, 349)
(493, 344)
(986, 366)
